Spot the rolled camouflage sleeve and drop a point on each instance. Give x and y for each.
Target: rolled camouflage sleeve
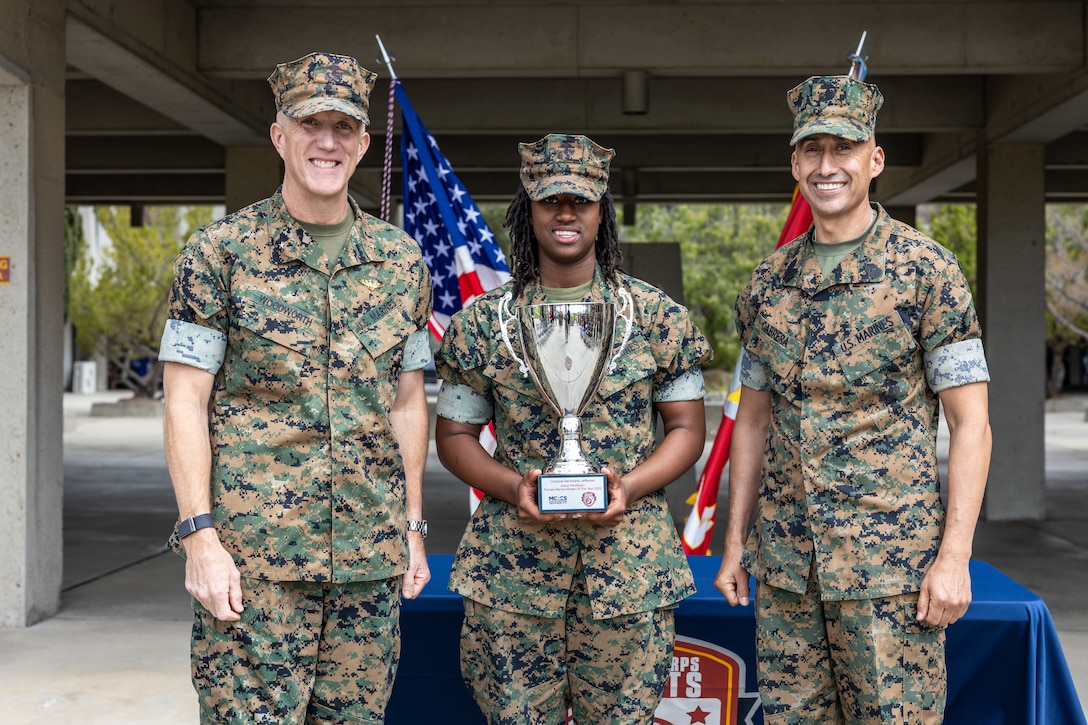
(465, 395)
(960, 363)
(752, 372)
(417, 350)
(193, 344)
(195, 333)
(951, 334)
(463, 404)
(688, 385)
(680, 350)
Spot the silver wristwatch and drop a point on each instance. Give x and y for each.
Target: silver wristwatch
(420, 526)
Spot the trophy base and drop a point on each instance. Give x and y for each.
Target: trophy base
(561, 493)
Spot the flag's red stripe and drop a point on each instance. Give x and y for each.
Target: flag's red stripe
(470, 286)
(797, 222)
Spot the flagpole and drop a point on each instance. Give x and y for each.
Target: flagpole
(387, 162)
(389, 61)
(857, 62)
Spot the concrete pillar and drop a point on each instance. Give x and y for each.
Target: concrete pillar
(658, 263)
(31, 326)
(1011, 266)
(253, 173)
(905, 214)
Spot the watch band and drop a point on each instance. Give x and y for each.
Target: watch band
(420, 526)
(194, 524)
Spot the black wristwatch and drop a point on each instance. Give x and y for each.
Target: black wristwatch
(420, 526)
(195, 523)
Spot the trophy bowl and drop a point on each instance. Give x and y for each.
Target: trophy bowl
(566, 348)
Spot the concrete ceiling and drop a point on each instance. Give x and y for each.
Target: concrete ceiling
(158, 90)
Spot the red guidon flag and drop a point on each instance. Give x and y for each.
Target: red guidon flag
(704, 502)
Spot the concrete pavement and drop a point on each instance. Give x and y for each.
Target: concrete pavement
(117, 652)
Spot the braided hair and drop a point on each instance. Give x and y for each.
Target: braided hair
(524, 247)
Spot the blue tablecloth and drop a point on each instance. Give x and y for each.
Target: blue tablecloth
(1005, 664)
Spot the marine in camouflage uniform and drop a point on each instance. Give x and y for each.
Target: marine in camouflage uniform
(295, 417)
(852, 333)
(567, 609)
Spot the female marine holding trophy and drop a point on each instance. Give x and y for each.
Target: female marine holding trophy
(571, 565)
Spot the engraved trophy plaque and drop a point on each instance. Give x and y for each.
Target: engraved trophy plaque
(566, 349)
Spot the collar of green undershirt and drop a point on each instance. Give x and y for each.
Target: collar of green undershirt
(331, 237)
(557, 295)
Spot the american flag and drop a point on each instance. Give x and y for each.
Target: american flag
(460, 249)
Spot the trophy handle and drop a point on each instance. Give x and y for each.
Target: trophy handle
(627, 312)
(504, 309)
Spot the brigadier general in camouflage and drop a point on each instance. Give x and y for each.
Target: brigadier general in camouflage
(296, 426)
(570, 609)
(852, 334)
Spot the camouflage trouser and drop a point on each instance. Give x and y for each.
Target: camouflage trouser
(303, 652)
(525, 670)
(857, 661)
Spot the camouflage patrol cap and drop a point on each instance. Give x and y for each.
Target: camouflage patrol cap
(838, 105)
(564, 164)
(323, 82)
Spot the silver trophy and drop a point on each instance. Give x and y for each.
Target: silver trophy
(566, 349)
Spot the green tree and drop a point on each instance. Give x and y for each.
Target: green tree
(118, 303)
(74, 249)
(720, 245)
(956, 227)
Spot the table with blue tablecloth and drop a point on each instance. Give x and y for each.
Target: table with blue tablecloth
(1005, 664)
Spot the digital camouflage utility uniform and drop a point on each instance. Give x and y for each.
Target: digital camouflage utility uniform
(849, 501)
(307, 482)
(633, 572)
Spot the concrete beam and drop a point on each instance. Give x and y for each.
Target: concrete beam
(111, 43)
(183, 153)
(948, 162)
(1036, 109)
(497, 40)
